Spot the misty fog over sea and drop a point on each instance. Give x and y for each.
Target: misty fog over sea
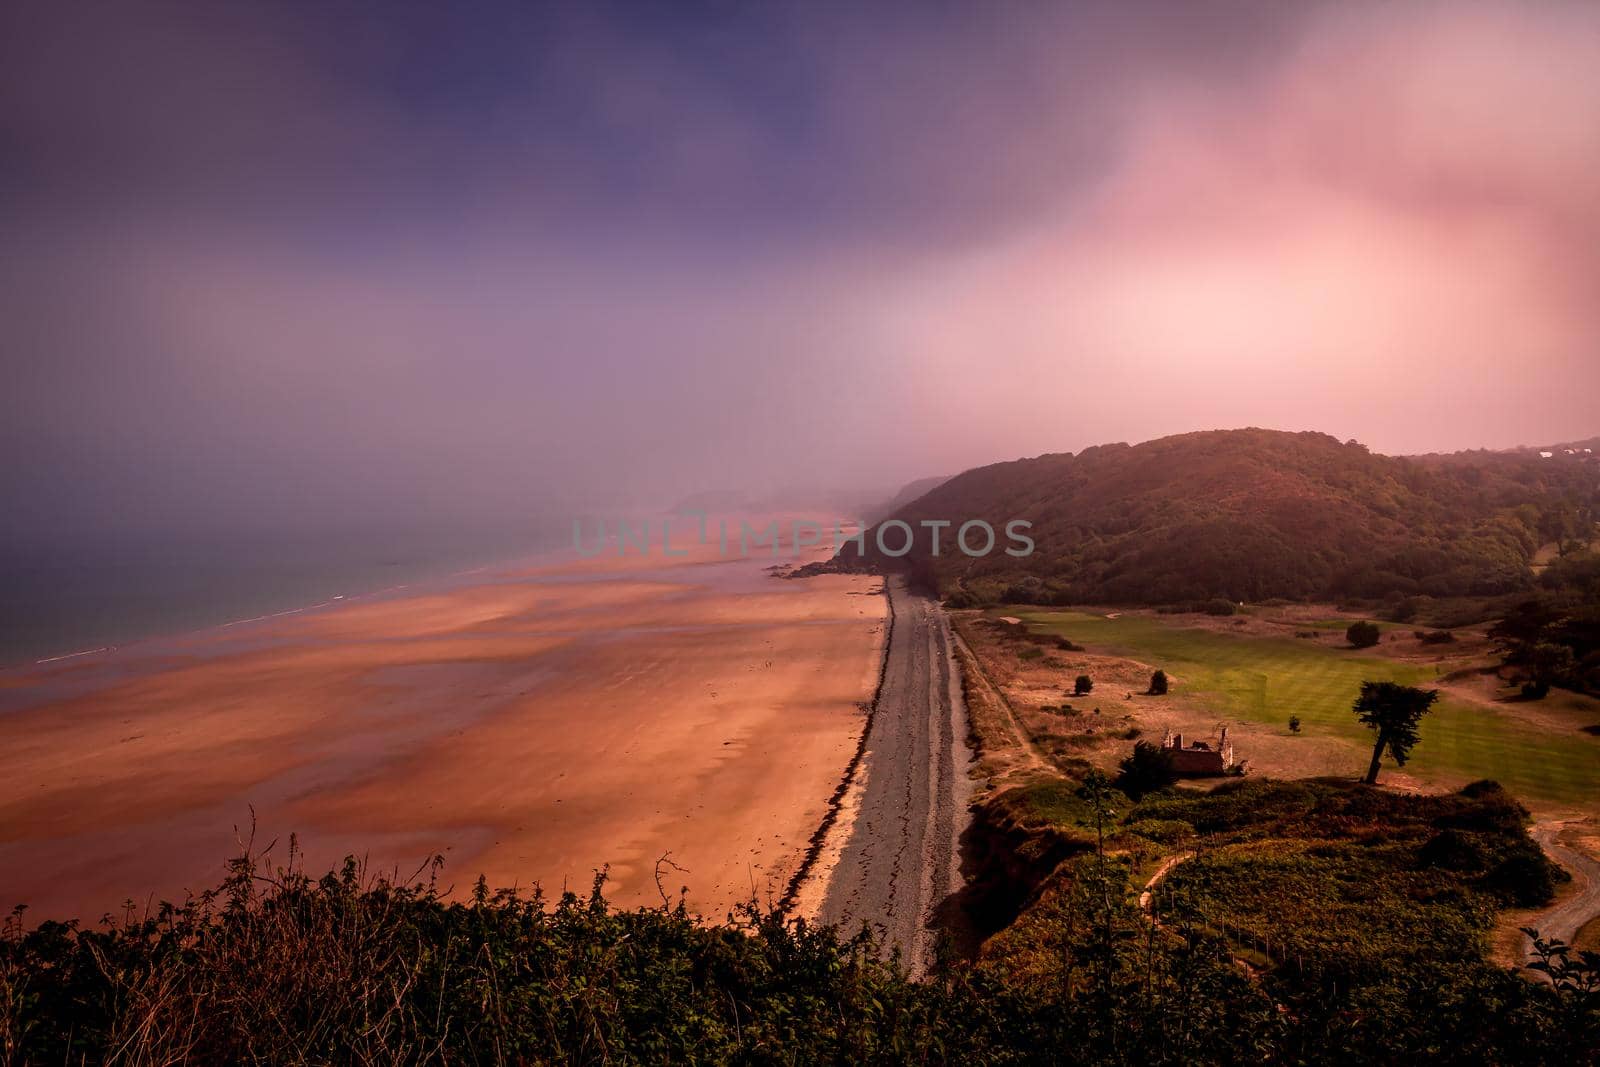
(57, 600)
(264, 262)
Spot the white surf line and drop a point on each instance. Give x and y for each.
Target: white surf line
(219, 626)
(75, 655)
(241, 622)
(308, 607)
(223, 625)
(274, 615)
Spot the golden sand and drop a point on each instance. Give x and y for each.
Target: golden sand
(534, 726)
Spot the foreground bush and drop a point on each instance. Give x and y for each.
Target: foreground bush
(282, 968)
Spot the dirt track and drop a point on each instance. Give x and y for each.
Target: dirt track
(1565, 919)
(901, 857)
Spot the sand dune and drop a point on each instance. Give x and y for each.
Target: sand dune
(531, 726)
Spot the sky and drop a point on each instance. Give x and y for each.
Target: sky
(311, 264)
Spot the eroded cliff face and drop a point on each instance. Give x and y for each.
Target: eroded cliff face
(1005, 862)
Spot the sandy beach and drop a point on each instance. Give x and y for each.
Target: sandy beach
(531, 724)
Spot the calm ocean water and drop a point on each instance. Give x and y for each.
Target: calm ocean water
(59, 600)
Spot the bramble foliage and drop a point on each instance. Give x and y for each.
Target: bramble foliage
(1359, 950)
(278, 967)
(1367, 914)
(282, 968)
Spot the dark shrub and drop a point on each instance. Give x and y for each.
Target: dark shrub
(1147, 770)
(1407, 609)
(1523, 879)
(1362, 634)
(1491, 809)
(1452, 850)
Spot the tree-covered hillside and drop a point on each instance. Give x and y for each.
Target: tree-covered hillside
(1248, 515)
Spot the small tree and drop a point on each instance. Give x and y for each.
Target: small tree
(1363, 634)
(1549, 663)
(1294, 724)
(1394, 712)
(1083, 686)
(1158, 684)
(1560, 524)
(1149, 768)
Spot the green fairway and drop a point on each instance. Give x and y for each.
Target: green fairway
(1270, 679)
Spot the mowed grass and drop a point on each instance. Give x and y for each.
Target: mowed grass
(1269, 679)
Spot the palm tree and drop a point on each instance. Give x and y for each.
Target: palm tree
(1394, 711)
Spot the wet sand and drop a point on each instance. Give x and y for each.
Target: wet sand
(530, 725)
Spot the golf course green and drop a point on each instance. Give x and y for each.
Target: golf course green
(1268, 679)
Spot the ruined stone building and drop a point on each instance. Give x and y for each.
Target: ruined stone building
(1199, 760)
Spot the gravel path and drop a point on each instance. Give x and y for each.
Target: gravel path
(1565, 919)
(901, 858)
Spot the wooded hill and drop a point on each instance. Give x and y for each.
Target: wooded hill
(1248, 515)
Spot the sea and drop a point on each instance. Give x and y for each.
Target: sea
(65, 600)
